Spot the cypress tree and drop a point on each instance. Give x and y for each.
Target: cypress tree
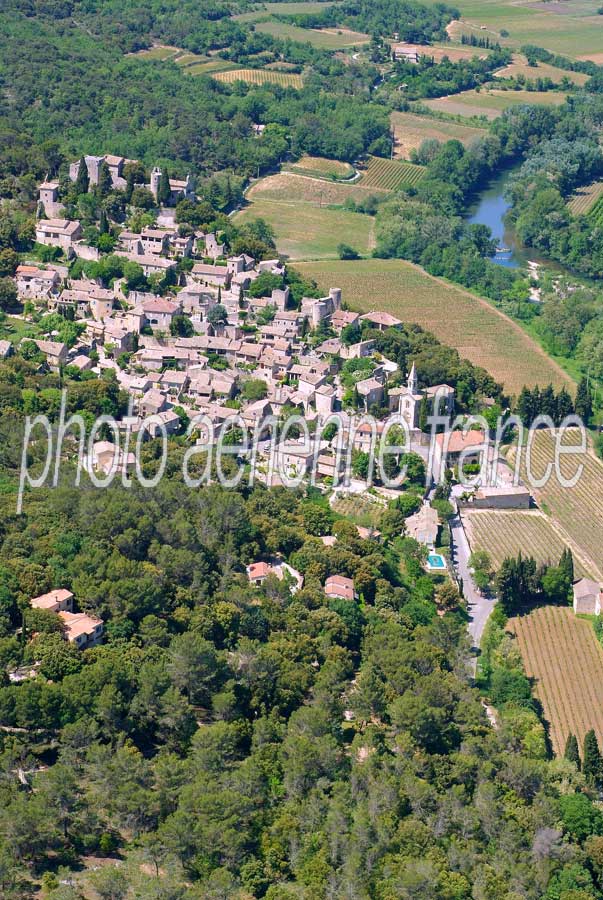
(584, 403)
(566, 564)
(103, 224)
(163, 190)
(571, 750)
(565, 407)
(82, 182)
(548, 402)
(105, 182)
(591, 765)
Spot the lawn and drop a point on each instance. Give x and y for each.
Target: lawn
(573, 29)
(411, 130)
(478, 331)
(505, 533)
(306, 231)
(582, 201)
(492, 102)
(323, 39)
(14, 330)
(291, 187)
(561, 653)
(259, 76)
(578, 510)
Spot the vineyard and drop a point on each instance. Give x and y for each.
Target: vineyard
(561, 653)
(577, 510)
(391, 175)
(596, 213)
(507, 532)
(587, 200)
(260, 76)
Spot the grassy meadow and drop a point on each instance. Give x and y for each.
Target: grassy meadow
(323, 39)
(307, 231)
(410, 130)
(478, 331)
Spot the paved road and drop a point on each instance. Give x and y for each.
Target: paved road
(479, 607)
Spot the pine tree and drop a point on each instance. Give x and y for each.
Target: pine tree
(82, 182)
(591, 765)
(571, 750)
(105, 182)
(164, 192)
(584, 403)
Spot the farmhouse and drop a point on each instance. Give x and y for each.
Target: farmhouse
(587, 597)
(424, 526)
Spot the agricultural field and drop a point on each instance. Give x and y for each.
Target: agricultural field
(584, 199)
(479, 332)
(573, 29)
(455, 53)
(596, 213)
(491, 103)
(307, 231)
(359, 509)
(505, 533)
(561, 653)
(520, 66)
(291, 186)
(319, 167)
(410, 130)
(259, 76)
(323, 39)
(578, 510)
(390, 175)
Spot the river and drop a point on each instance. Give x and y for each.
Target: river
(490, 210)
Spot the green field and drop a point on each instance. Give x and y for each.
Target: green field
(520, 67)
(478, 331)
(573, 29)
(492, 102)
(331, 39)
(306, 231)
(391, 175)
(410, 130)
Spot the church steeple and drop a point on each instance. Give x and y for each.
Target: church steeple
(413, 381)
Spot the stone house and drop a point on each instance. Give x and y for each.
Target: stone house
(58, 233)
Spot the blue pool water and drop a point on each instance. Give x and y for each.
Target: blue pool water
(436, 561)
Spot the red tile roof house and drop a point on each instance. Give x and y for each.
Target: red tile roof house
(257, 572)
(341, 588)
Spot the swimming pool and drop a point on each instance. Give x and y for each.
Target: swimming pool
(436, 562)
